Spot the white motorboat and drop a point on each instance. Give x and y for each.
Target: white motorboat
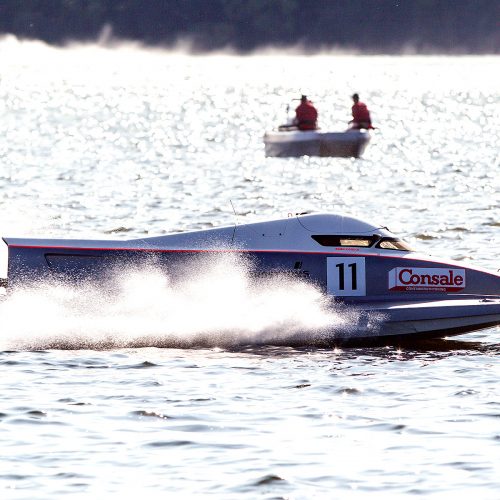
(289, 142)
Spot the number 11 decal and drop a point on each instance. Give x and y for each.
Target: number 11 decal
(345, 276)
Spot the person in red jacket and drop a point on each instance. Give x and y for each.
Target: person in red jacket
(360, 114)
(306, 115)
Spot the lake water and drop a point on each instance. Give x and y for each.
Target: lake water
(109, 396)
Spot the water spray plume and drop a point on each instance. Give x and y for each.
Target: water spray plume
(218, 305)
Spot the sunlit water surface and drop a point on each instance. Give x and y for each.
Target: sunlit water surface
(111, 396)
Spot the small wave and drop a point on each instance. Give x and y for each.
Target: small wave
(149, 414)
(426, 236)
(268, 479)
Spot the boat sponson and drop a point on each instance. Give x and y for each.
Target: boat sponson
(436, 318)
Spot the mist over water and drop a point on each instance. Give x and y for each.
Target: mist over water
(156, 385)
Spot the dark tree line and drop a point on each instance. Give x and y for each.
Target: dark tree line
(375, 26)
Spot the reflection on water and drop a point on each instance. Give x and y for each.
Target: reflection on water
(129, 142)
(452, 345)
(409, 349)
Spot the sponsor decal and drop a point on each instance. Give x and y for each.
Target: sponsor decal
(434, 279)
(346, 250)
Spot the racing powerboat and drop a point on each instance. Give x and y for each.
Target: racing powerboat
(290, 142)
(390, 291)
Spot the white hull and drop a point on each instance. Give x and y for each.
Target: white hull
(435, 318)
(295, 143)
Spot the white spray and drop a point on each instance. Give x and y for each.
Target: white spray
(218, 305)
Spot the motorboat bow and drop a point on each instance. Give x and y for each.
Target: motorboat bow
(395, 292)
(289, 142)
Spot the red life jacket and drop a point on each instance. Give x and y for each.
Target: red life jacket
(360, 113)
(306, 116)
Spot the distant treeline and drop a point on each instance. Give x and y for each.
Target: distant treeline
(374, 26)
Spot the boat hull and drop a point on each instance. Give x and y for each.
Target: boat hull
(404, 323)
(313, 143)
(431, 319)
(377, 318)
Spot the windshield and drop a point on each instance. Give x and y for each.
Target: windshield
(330, 240)
(394, 244)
